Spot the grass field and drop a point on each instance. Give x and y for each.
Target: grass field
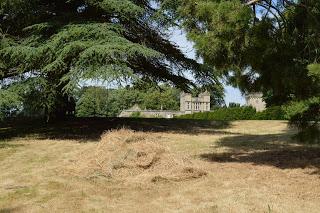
(251, 166)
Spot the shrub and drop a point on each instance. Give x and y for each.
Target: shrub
(136, 115)
(271, 113)
(309, 135)
(306, 116)
(10, 104)
(238, 113)
(304, 113)
(231, 104)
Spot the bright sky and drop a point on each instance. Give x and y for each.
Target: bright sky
(231, 94)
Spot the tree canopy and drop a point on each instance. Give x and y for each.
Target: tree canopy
(259, 45)
(69, 41)
(271, 46)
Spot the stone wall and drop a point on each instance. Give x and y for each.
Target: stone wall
(151, 113)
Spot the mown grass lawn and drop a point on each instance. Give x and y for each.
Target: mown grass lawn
(252, 166)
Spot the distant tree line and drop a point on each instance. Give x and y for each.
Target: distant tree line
(102, 102)
(95, 101)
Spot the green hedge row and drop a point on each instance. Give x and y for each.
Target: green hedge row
(238, 113)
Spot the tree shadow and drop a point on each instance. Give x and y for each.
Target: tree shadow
(6, 145)
(9, 210)
(90, 129)
(277, 150)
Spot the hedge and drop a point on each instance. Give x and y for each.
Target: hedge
(238, 113)
(271, 113)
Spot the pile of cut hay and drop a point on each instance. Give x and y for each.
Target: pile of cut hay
(135, 156)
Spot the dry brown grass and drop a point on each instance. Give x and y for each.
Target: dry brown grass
(251, 166)
(132, 156)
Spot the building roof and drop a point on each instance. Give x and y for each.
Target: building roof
(205, 93)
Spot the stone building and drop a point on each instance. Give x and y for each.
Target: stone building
(189, 104)
(255, 100)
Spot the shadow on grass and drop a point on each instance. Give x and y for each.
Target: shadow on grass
(5, 145)
(278, 150)
(9, 210)
(85, 129)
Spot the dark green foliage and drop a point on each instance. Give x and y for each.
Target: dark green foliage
(27, 98)
(309, 135)
(93, 103)
(231, 104)
(225, 114)
(270, 46)
(10, 104)
(74, 41)
(238, 113)
(165, 98)
(271, 113)
(266, 47)
(65, 42)
(305, 114)
(101, 102)
(135, 115)
(38, 98)
(216, 94)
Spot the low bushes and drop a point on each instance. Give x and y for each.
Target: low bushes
(238, 113)
(271, 113)
(136, 115)
(305, 115)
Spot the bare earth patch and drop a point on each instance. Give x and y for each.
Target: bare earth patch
(247, 166)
